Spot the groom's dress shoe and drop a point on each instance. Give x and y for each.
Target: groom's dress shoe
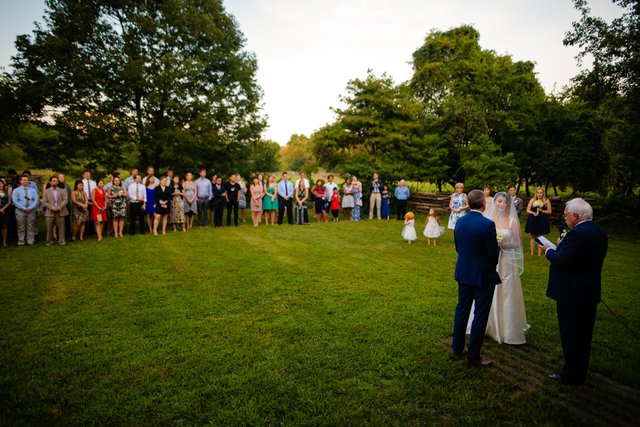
(482, 363)
(455, 356)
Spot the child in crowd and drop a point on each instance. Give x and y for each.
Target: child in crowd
(409, 230)
(335, 204)
(432, 229)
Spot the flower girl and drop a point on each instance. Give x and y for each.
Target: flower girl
(432, 229)
(409, 230)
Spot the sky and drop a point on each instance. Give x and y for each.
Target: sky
(308, 50)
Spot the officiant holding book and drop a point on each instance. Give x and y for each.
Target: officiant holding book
(574, 283)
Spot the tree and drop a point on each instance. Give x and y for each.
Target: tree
(298, 154)
(169, 80)
(612, 85)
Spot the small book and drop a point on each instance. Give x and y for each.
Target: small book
(543, 241)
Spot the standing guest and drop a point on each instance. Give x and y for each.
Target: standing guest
(203, 189)
(99, 207)
(218, 197)
(303, 179)
(242, 198)
(150, 174)
(302, 195)
(385, 210)
(150, 208)
(177, 205)
(477, 246)
(329, 186)
(232, 196)
(162, 195)
(409, 231)
(118, 196)
(357, 199)
(432, 229)
(575, 282)
(55, 203)
(375, 201)
(89, 186)
(321, 202)
(5, 204)
(285, 198)
(487, 196)
(32, 183)
(517, 201)
(25, 200)
(539, 208)
(458, 205)
(169, 177)
(107, 188)
(13, 182)
(190, 199)
(215, 201)
(335, 204)
(137, 204)
(62, 183)
(270, 201)
(347, 199)
(402, 194)
(257, 193)
(80, 210)
(131, 178)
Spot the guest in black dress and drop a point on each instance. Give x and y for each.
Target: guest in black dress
(539, 209)
(162, 195)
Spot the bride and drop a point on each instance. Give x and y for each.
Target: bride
(507, 318)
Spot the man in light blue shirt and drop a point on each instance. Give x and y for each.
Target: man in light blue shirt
(285, 198)
(25, 199)
(203, 186)
(402, 194)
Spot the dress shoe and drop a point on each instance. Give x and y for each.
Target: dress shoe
(555, 377)
(455, 356)
(482, 363)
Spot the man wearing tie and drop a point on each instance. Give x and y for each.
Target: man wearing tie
(137, 204)
(25, 199)
(575, 283)
(55, 201)
(285, 198)
(89, 186)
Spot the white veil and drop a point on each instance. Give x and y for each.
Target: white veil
(511, 247)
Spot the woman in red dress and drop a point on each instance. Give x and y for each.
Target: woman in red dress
(99, 207)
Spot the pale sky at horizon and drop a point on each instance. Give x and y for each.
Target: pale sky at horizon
(307, 50)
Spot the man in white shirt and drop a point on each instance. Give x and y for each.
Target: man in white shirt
(89, 185)
(329, 186)
(131, 178)
(137, 204)
(306, 181)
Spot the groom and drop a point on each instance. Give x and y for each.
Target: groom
(478, 251)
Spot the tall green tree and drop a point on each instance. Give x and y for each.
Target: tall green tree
(168, 80)
(297, 155)
(612, 84)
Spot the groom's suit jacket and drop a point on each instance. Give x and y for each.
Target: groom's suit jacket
(576, 265)
(478, 251)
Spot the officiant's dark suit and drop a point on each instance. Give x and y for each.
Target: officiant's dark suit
(478, 252)
(574, 283)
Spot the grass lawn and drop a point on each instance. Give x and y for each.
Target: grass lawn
(330, 324)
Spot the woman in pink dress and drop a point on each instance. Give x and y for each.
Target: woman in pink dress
(257, 193)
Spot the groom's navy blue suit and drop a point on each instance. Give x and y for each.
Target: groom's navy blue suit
(478, 252)
(575, 282)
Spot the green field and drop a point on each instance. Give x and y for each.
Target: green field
(330, 324)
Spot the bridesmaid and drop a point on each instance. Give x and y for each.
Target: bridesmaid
(99, 207)
(190, 199)
(539, 208)
(162, 207)
(79, 210)
(257, 193)
(151, 201)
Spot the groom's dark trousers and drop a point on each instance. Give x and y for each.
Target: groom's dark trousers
(478, 252)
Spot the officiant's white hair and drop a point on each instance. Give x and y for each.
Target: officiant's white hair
(580, 207)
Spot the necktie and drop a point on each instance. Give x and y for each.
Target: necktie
(137, 192)
(286, 189)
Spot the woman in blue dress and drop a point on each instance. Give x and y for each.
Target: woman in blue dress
(385, 209)
(357, 199)
(151, 201)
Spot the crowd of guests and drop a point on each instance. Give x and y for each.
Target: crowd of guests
(151, 203)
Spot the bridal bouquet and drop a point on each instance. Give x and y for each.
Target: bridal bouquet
(499, 236)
